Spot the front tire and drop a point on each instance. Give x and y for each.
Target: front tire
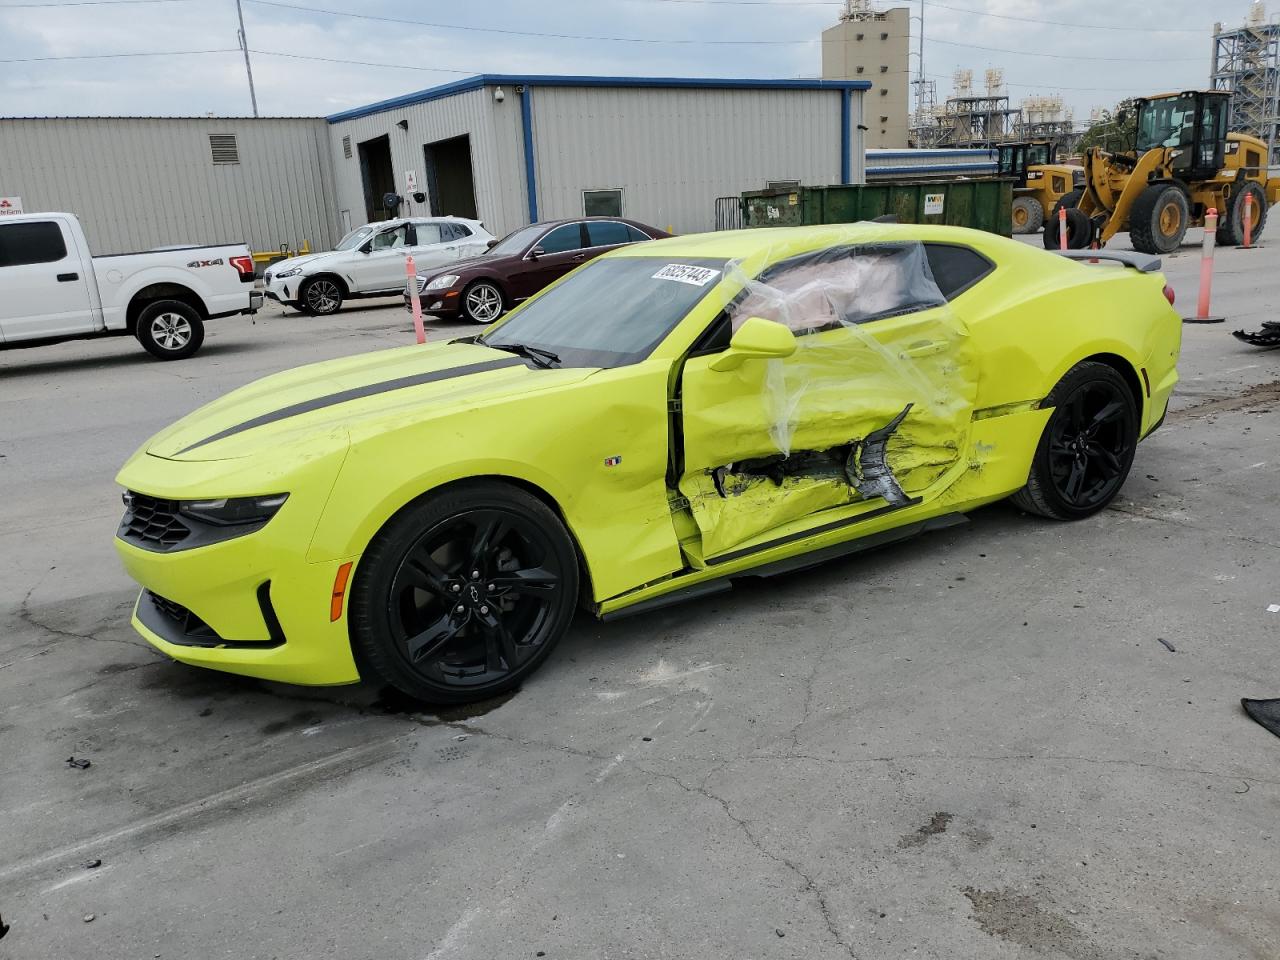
(465, 593)
(170, 329)
(1158, 219)
(483, 302)
(1087, 447)
(321, 296)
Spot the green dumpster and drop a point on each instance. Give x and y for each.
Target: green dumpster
(980, 204)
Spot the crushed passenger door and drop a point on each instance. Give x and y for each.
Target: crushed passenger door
(869, 414)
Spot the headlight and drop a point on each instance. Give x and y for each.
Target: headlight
(442, 283)
(232, 511)
(161, 525)
(291, 272)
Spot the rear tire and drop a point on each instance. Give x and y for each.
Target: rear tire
(1231, 224)
(320, 296)
(1158, 219)
(465, 593)
(1087, 447)
(170, 329)
(1028, 215)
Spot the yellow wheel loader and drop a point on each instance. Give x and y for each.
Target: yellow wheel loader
(1041, 182)
(1183, 163)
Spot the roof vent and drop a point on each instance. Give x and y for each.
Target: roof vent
(346, 147)
(223, 148)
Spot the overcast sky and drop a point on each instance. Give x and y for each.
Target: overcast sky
(1039, 57)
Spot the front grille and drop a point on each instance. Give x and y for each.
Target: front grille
(152, 521)
(191, 626)
(266, 277)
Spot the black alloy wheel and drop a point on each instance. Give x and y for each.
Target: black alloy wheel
(1087, 448)
(465, 594)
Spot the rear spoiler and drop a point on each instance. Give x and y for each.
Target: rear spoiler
(1138, 261)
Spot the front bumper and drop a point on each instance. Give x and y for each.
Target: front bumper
(239, 607)
(255, 604)
(283, 291)
(438, 303)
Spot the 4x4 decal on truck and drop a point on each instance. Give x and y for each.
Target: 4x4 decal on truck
(205, 263)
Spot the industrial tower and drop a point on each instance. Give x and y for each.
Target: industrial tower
(1246, 62)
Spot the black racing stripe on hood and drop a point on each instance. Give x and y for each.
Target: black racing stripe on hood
(356, 393)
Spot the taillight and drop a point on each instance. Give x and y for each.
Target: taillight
(243, 264)
(1168, 294)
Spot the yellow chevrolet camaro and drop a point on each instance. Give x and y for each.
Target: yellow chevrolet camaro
(662, 420)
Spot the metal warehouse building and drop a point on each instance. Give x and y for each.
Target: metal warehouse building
(507, 150)
(514, 149)
(142, 182)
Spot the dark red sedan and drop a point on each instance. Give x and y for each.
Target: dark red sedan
(522, 263)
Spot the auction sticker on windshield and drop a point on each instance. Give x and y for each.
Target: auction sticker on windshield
(683, 273)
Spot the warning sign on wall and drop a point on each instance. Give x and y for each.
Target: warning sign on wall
(933, 204)
(10, 206)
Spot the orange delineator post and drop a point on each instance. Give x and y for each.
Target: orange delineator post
(1206, 268)
(1062, 228)
(1248, 220)
(415, 298)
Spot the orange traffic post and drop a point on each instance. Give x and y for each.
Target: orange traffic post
(1062, 228)
(415, 298)
(1206, 271)
(1248, 222)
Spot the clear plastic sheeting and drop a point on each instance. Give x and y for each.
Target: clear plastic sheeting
(874, 405)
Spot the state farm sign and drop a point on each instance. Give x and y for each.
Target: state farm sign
(10, 206)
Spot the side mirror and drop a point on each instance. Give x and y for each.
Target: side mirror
(491, 244)
(366, 247)
(536, 252)
(756, 339)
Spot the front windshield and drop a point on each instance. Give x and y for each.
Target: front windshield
(514, 243)
(1168, 122)
(1038, 153)
(612, 312)
(355, 238)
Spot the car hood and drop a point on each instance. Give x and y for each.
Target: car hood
(316, 407)
(303, 261)
(484, 262)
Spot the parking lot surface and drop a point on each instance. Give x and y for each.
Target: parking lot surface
(973, 744)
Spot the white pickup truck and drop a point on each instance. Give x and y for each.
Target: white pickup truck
(52, 288)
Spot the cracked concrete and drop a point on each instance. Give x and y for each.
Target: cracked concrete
(969, 745)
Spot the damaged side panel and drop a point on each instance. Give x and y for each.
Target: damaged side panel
(873, 406)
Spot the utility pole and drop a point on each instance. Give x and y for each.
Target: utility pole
(248, 67)
(920, 88)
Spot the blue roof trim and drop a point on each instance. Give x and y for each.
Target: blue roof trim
(933, 168)
(538, 80)
(939, 153)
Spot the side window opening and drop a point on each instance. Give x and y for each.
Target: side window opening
(841, 286)
(27, 243)
(562, 239)
(955, 268)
